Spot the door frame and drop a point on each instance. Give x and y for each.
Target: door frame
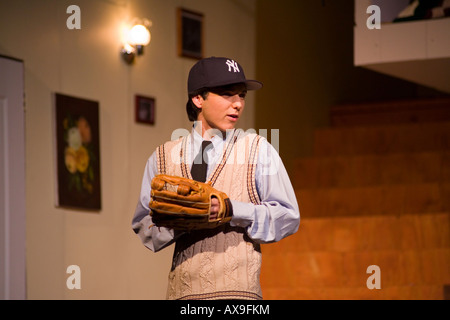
(12, 176)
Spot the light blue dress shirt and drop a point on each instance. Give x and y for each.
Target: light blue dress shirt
(276, 217)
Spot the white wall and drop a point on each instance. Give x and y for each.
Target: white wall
(86, 63)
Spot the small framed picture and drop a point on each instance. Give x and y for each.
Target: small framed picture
(145, 109)
(190, 33)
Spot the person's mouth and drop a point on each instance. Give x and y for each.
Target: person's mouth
(233, 117)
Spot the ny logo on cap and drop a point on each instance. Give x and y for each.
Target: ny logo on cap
(232, 64)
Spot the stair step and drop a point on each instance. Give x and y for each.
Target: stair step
(390, 112)
(374, 200)
(366, 170)
(332, 269)
(382, 139)
(363, 234)
(412, 251)
(423, 292)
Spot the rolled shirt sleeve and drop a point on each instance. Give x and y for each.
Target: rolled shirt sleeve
(154, 238)
(277, 215)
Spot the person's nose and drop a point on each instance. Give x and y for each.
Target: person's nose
(237, 102)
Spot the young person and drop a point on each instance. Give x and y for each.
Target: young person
(224, 262)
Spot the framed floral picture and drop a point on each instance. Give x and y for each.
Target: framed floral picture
(77, 153)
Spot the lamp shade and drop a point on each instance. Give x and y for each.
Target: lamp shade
(139, 35)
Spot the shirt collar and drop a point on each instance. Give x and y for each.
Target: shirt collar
(217, 140)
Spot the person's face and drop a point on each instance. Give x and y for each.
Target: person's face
(222, 107)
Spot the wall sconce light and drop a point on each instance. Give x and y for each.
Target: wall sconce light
(136, 38)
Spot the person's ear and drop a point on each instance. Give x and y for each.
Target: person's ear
(198, 101)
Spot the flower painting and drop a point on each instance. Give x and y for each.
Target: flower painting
(78, 156)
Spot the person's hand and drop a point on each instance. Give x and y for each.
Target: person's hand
(214, 208)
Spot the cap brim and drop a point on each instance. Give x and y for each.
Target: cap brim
(250, 84)
(253, 84)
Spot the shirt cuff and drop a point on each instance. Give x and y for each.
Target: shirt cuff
(242, 214)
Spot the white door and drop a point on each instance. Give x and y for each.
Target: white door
(12, 180)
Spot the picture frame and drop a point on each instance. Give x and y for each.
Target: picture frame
(77, 140)
(190, 33)
(144, 109)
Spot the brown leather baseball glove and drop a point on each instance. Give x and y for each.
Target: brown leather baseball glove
(185, 204)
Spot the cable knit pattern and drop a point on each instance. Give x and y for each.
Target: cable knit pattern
(206, 272)
(222, 263)
(231, 261)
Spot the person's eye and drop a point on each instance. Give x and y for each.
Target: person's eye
(228, 94)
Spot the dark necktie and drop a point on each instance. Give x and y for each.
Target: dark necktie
(200, 164)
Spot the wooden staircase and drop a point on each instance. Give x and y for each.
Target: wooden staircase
(376, 193)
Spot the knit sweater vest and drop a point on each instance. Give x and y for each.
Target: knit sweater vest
(220, 263)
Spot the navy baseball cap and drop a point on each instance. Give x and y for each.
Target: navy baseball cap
(216, 72)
